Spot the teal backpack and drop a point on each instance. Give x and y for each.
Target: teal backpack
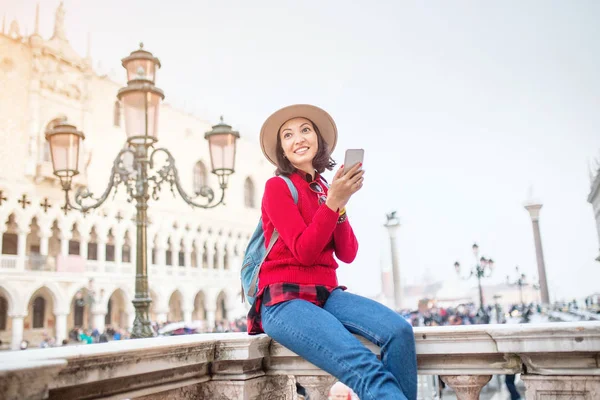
(256, 253)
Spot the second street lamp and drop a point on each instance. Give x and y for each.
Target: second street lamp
(134, 166)
(520, 282)
(483, 269)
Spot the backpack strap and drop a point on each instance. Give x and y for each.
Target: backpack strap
(292, 188)
(254, 284)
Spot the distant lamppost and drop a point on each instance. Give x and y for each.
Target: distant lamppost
(133, 166)
(521, 282)
(498, 308)
(483, 269)
(393, 224)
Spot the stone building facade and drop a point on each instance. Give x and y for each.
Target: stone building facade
(59, 271)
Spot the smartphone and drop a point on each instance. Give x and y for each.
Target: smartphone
(353, 157)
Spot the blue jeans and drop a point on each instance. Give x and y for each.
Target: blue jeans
(323, 336)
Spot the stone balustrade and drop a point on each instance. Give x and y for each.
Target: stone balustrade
(557, 361)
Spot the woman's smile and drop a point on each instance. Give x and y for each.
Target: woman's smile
(300, 143)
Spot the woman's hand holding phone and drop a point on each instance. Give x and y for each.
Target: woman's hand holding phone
(344, 185)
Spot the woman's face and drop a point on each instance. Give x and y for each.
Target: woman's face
(299, 142)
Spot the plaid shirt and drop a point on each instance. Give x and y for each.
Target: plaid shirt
(281, 292)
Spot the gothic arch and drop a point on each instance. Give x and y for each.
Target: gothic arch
(11, 297)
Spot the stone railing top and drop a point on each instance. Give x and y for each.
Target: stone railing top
(545, 349)
(231, 346)
(514, 338)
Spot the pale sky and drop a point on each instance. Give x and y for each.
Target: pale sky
(460, 107)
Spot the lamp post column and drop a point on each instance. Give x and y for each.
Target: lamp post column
(479, 275)
(141, 323)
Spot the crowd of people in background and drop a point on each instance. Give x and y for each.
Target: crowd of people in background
(427, 314)
(80, 335)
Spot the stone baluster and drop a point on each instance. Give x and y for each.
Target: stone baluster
(317, 386)
(466, 387)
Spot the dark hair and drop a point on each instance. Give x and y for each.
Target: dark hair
(321, 162)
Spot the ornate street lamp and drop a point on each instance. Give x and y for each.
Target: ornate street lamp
(483, 269)
(521, 282)
(134, 166)
(65, 141)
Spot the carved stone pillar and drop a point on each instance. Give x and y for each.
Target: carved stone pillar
(220, 253)
(101, 243)
(44, 235)
(64, 245)
(160, 248)
(187, 255)
(210, 318)
(199, 255)
(21, 249)
(210, 251)
(466, 387)
(17, 331)
(187, 315)
(83, 245)
(99, 317)
(60, 326)
(540, 387)
(119, 250)
(317, 386)
(161, 317)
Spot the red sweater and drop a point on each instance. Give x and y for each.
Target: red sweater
(309, 235)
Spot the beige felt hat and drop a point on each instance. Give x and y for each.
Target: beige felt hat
(319, 117)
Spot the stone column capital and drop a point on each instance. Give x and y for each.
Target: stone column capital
(466, 387)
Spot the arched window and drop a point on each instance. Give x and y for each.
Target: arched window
(78, 310)
(117, 114)
(249, 193)
(3, 313)
(205, 256)
(200, 176)
(46, 156)
(225, 259)
(223, 309)
(108, 316)
(216, 257)
(39, 309)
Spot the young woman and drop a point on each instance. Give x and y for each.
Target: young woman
(299, 303)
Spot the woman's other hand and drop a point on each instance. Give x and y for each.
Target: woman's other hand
(344, 186)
